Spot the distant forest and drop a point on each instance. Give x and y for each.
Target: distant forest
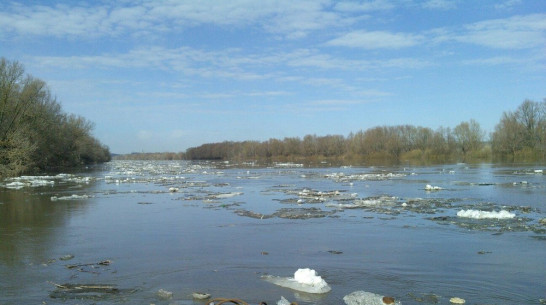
(520, 136)
(35, 134)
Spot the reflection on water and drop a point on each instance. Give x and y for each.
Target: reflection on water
(186, 227)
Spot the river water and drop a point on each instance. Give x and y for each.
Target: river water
(219, 228)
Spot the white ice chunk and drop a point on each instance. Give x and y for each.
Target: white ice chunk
(283, 301)
(429, 187)
(305, 280)
(15, 185)
(227, 195)
(72, 197)
(41, 182)
(476, 214)
(367, 298)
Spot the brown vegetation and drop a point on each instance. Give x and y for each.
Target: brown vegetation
(35, 135)
(519, 136)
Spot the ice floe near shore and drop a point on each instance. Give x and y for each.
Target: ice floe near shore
(342, 177)
(71, 197)
(305, 280)
(477, 214)
(17, 183)
(368, 298)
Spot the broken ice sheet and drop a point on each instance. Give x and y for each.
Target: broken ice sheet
(288, 213)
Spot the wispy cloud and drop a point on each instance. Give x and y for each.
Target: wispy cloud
(508, 4)
(439, 4)
(289, 19)
(365, 6)
(376, 40)
(517, 32)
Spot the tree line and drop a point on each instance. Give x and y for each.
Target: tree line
(151, 156)
(519, 136)
(35, 134)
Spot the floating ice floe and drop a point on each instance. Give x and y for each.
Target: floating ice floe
(477, 214)
(41, 181)
(368, 298)
(429, 187)
(72, 197)
(283, 301)
(287, 165)
(15, 185)
(226, 195)
(456, 300)
(341, 177)
(164, 294)
(305, 280)
(370, 202)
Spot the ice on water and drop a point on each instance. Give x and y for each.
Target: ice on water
(71, 197)
(477, 214)
(283, 301)
(17, 183)
(305, 280)
(429, 187)
(365, 298)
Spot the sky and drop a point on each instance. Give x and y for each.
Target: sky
(159, 76)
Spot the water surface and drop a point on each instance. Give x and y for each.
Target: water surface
(217, 228)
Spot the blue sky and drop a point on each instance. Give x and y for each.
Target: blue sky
(168, 75)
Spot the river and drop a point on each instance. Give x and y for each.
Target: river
(141, 230)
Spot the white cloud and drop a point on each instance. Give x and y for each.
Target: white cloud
(517, 32)
(287, 18)
(365, 6)
(493, 61)
(440, 4)
(376, 40)
(506, 5)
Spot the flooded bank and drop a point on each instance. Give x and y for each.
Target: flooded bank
(125, 231)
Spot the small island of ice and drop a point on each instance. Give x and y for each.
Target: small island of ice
(476, 214)
(305, 280)
(429, 187)
(368, 298)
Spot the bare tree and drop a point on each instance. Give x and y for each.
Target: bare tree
(468, 136)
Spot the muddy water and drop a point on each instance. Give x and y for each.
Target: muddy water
(183, 227)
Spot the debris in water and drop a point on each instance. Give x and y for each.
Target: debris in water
(430, 298)
(305, 280)
(92, 265)
(66, 257)
(87, 291)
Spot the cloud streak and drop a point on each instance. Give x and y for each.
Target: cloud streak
(289, 19)
(376, 40)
